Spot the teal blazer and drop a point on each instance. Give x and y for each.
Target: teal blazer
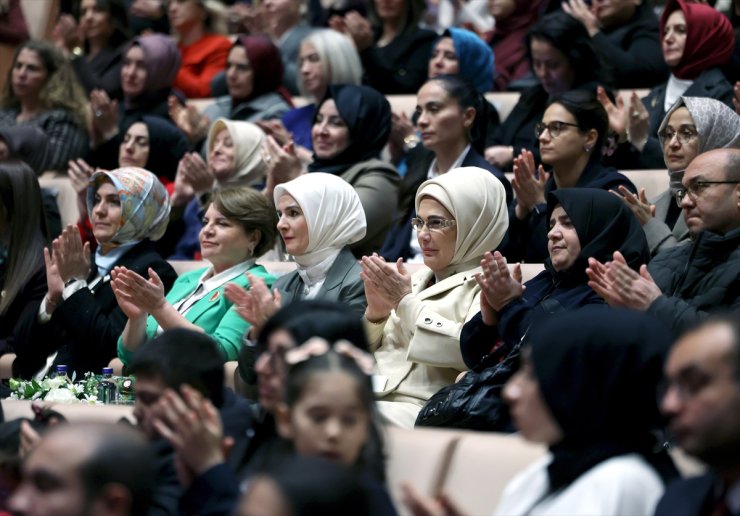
(213, 312)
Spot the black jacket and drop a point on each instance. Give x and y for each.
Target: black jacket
(694, 496)
(16, 325)
(401, 65)
(697, 279)
(633, 52)
(86, 326)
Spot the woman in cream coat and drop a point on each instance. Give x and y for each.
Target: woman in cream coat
(414, 322)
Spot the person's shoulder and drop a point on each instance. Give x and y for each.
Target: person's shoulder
(686, 496)
(216, 41)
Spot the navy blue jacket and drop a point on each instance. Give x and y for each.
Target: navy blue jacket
(694, 496)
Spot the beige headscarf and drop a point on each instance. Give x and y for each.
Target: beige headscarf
(249, 167)
(477, 200)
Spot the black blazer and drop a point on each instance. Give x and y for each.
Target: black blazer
(694, 496)
(85, 328)
(16, 325)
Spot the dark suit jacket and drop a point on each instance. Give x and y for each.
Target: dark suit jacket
(397, 243)
(342, 284)
(86, 326)
(16, 325)
(695, 496)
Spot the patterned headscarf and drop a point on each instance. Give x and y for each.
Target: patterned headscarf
(477, 200)
(717, 127)
(249, 167)
(145, 204)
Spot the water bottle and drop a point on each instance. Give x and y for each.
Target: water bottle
(61, 371)
(107, 389)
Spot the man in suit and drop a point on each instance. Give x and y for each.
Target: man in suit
(702, 400)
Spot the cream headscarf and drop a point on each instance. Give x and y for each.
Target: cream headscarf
(249, 166)
(477, 200)
(333, 213)
(717, 127)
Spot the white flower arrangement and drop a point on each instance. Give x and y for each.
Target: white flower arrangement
(59, 389)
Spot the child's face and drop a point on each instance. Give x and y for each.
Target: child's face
(329, 421)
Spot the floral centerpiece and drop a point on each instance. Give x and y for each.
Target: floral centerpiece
(62, 389)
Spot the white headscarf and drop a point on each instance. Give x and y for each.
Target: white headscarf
(249, 167)
(477, 200)
(333, 213)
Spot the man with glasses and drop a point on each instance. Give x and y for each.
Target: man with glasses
(702, 401)
(682, 285)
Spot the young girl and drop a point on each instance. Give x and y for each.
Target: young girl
(329, 411)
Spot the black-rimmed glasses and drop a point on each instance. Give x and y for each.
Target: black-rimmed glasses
(554, 128)
(697, 188)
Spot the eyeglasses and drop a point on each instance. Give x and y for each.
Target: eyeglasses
(697, 188)
(433, 224)
(684, 135)
(554, 128)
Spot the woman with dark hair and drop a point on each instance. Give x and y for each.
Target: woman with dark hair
(203, 54)
(96, 57)
(41, 90)
(562, 59)
(254, 74)
(697, 42)
(451, 116)
(571, 135)
(350, 129)
(24, 236)
(238, 226)
(150, 64)
(393, 49)
(79, 318)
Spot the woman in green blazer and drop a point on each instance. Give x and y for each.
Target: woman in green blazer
(239, 225)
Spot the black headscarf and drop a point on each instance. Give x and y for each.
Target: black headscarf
(604, 225)
(598, 369)
(167, 146)
(367, 114)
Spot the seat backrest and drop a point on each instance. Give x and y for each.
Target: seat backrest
(482, 465)
(655, 182)
(420, 457)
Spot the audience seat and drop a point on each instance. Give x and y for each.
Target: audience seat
(655, 182)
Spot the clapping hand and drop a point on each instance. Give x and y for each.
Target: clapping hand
(146, 295)
(388, 284)
(255, 305)
(528, 187)
(640, 206)
(620, 286)
(498, 286)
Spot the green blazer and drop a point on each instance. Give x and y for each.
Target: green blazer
(213, 312)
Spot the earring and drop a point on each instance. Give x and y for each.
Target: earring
(587, 148)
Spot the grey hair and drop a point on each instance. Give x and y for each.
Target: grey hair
(338, 57)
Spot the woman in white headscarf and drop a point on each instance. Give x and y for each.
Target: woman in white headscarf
(234, 159)
(320, 216)
(414, 322)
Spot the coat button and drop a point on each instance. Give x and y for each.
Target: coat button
(401, 72)
(428, 321)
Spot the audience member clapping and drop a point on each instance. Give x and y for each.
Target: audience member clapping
(238, 226)
(583, 222)
(572, 137)
(350, 129)
(414, 322)
(320, 216)
(693, 125)
(79, 319)
(683, 285)
(234, 159)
